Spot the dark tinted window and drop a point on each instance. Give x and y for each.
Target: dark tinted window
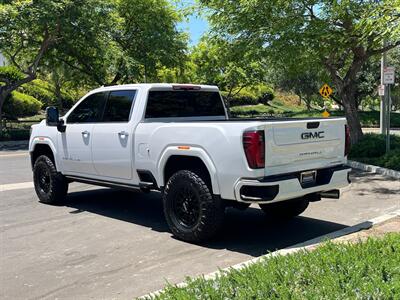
(89, 110)
(170, 104)
(118, 106)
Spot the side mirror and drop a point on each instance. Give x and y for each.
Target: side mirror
(52, 116)
(53, 119)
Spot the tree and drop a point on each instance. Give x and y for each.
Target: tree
(339, 36)
(148, 38)
(229, 65)
(101, 42)
(30, 30)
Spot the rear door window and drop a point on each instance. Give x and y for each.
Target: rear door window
(118, 107)
(175, 104)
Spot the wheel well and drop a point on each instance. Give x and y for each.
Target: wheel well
(192, 163)
(42, 149)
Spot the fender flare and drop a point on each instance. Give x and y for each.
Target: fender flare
(191, 151)
(45, 141)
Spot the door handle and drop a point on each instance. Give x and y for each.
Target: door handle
(123, 134)
(85, 133)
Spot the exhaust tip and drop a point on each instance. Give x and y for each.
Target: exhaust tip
(332, 194)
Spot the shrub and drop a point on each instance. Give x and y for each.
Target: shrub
(372, 150)
(251, 96)
(21, 105)
(391, 160)
(373, 145)
(11, 73)
(44, 91)
(266, 94)
(14, 135)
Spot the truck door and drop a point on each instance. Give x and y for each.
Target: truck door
(75, 142)
(112, 138)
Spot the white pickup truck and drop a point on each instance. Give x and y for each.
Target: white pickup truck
(179, 139)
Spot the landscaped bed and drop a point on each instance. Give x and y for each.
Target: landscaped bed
(372, 150)
(365, 270)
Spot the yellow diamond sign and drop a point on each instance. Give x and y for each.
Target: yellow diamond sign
(326, 114)
(325, 91)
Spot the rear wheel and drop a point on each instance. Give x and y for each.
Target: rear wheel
(285, 209)
(50, 185)
(193, 214)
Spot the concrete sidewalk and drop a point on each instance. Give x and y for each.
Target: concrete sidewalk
(395, 131)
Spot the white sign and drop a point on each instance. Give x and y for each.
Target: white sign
(381, 90)
(388, 75)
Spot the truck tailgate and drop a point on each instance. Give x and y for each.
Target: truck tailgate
(304, 145)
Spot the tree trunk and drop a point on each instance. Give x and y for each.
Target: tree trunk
(4, 92)
(57, 87)
(353, 120)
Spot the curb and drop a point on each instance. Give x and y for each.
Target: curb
(374, 169)
(289, 250)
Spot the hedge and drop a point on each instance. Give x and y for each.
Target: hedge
(251, 96)
(21, 105)
(44, 92)
(372, 150)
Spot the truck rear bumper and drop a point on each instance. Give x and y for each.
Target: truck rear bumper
(287, 186)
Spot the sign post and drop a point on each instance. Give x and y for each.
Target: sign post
(326, 91)
(388, 79)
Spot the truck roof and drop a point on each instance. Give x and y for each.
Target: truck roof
(156, 86)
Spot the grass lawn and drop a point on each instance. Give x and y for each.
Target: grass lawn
(367, 270)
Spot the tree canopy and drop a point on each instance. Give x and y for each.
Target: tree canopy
(339, 36)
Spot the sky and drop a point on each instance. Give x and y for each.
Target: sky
(195, 25)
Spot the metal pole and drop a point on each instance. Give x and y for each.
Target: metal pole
(383, 98)
(389, 109)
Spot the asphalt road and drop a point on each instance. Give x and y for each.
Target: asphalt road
(113, 244)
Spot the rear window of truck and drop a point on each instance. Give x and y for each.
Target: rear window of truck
(176, 104)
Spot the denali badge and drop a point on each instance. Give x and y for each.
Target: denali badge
(312, 135)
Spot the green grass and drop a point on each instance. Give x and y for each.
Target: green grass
(368, 118)
(367, 270)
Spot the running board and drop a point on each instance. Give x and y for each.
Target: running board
(104, 183)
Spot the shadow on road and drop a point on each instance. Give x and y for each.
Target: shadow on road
(247, 232)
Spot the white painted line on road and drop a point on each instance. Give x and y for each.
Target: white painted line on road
(289, 250)
(16, 186)
(14, 154)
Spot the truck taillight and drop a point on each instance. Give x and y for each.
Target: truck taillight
(347, 143)
(254, 148)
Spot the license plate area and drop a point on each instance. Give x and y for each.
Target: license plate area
(308, 178)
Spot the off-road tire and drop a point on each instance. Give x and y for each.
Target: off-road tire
(208, 210)
(286, 209)
(50, 185)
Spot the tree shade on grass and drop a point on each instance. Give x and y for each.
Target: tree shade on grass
(366, 270)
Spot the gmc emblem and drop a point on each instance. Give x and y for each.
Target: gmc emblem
(312, 135)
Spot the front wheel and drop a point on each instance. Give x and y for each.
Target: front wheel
(193, 214)
(50, 186)
(285, 209)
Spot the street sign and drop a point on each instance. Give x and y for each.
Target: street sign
(325, 91)
(326, 114)
(381, 90)
(388, 75)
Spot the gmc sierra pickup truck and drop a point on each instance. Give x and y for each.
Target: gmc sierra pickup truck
(179, 139)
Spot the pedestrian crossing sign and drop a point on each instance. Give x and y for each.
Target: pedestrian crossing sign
(325, 91)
